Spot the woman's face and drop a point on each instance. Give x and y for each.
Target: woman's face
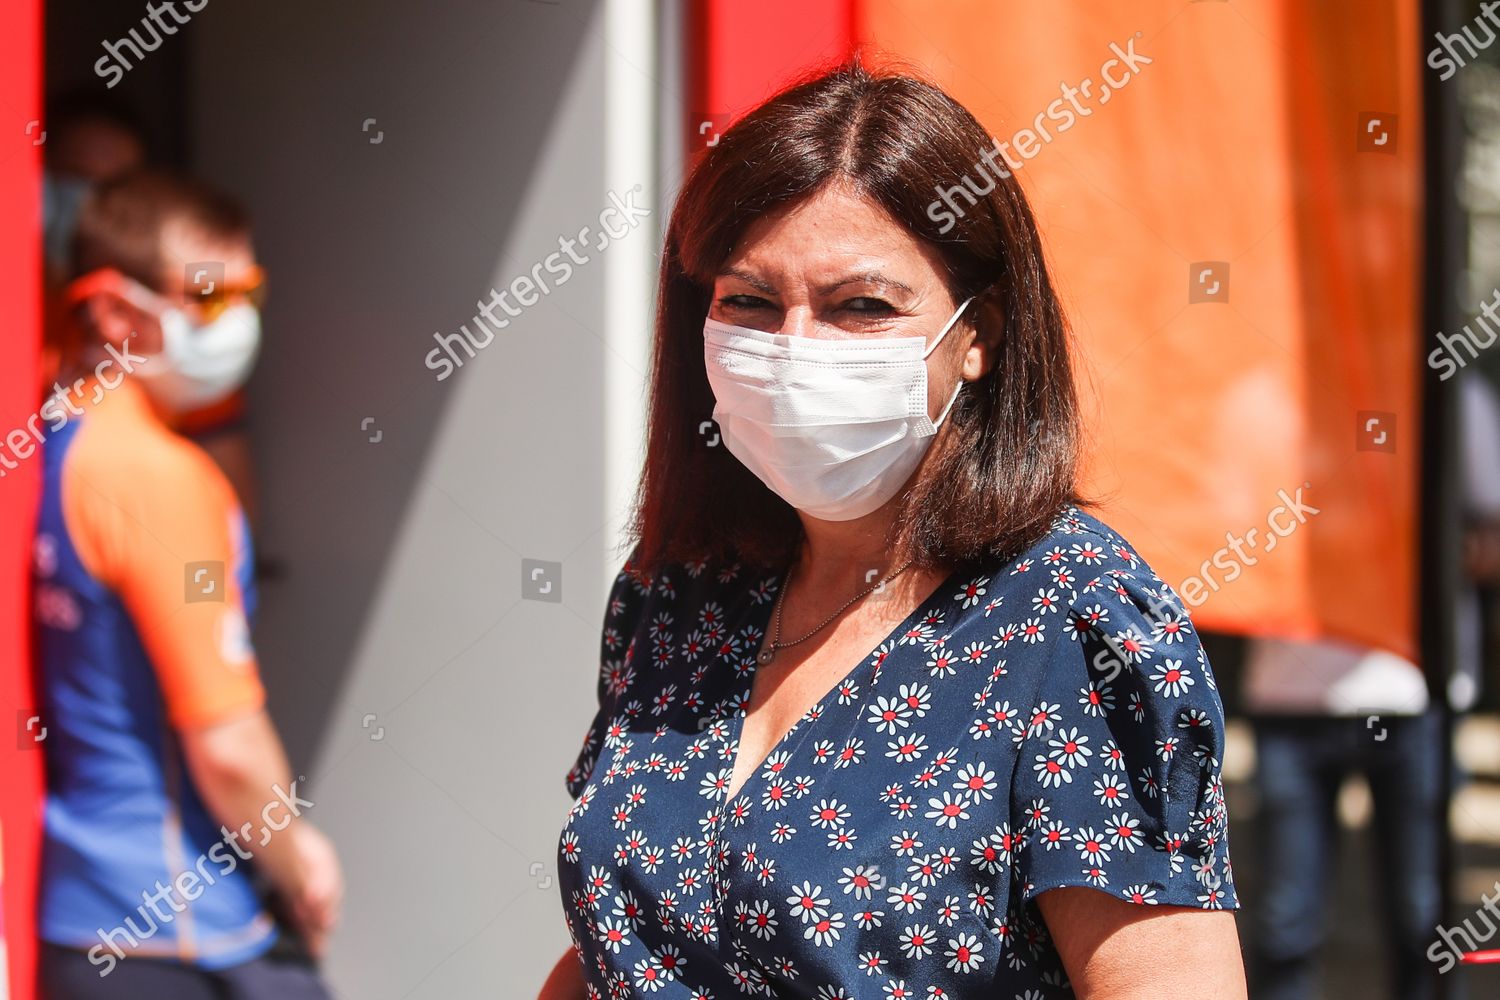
(839, 266)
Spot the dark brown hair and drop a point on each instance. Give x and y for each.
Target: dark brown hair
(121, 222)
(1003, 463)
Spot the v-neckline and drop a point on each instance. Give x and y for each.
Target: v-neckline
(737, 721)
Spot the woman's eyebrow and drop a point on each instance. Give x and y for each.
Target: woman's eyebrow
(862, 278)
(755, 282)
(865, 278)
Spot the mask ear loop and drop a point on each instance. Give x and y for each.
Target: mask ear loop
(951, 400)
(933, 346)
(946, 327)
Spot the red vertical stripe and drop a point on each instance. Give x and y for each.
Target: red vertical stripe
(738, 54)
(20, 289)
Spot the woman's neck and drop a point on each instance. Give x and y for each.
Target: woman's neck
(846, 556)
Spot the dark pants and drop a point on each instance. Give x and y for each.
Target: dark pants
(1300, 764)
(67, 974)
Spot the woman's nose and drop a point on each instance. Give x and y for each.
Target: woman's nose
(799, 321)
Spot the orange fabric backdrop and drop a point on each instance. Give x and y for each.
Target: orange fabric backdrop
(1246, 142)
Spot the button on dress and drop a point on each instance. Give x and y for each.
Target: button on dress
(1039, 721)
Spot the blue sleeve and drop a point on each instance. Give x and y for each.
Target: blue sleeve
(1118, 782)
(617, 642)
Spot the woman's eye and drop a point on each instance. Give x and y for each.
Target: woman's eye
(743, 302)
(868, 306)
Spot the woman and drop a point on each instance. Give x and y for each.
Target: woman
(882, 713)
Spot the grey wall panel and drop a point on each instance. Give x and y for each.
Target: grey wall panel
(401, 591)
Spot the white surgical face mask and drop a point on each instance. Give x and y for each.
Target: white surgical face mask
(833, 427)
(201, 364)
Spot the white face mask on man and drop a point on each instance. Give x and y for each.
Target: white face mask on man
(833, 427)
(199, 363)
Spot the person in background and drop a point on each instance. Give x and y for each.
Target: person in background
(167, 784)
(87, 141)
(222, 430)
(91, 140)
(1479, 409)
(1322, 710)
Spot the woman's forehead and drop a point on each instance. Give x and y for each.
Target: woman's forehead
(834, 236)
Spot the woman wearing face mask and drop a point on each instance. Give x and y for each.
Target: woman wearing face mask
(167, 784)
(882, 712)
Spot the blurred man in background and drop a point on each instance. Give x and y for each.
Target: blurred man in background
(167, 783)
(1323, 710)
(89, 141)
(1480, 469)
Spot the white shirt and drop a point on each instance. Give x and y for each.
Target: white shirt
(1328, 677)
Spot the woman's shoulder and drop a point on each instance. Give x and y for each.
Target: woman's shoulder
(1082, 560)
(1080, 589)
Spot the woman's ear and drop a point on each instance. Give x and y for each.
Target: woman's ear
(989, 330)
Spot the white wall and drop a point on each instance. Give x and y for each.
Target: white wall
(401, 588)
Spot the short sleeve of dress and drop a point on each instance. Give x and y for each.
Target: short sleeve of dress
(616, 642)
(1118, 777)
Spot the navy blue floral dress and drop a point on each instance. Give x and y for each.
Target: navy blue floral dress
(1045, 721)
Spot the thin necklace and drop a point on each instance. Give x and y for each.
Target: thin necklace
(774, 644)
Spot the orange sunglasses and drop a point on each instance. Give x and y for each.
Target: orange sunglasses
(219, 295)
(211, 300)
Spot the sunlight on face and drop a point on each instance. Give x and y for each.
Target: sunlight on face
(836, 265)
